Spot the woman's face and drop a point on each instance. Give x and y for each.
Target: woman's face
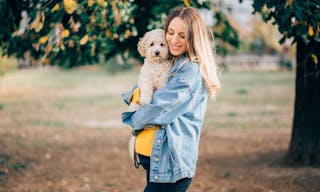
(176, 37)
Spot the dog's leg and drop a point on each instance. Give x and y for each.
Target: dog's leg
(133, 107)
(146, 94)
(132, 153)
(145, 85)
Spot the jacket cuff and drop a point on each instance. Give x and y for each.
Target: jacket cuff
(127, 96)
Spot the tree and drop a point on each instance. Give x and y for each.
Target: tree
(68, 33)
(300, 20)
(71, 33)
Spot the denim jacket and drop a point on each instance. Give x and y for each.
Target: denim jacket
(178, 108)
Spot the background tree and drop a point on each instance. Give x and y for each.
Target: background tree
(68, 33)
(264, 37)
(300, 21)
(71, 33)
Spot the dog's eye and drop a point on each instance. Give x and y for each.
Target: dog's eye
(151, 44)
(162, 44)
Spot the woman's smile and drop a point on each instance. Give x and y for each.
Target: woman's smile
(175, 37)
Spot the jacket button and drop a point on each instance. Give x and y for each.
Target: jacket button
(156, 159)
(159, 141)
(156, 177)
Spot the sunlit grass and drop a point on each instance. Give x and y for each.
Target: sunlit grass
(253, 100)
(75, 99)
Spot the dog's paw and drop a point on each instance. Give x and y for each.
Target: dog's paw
(133, 107)
(131, 147)
(145, 100)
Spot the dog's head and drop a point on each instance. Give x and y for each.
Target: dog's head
(153, 45)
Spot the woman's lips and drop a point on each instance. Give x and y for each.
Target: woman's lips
(175, 47)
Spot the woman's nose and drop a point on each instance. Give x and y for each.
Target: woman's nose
(174, 38)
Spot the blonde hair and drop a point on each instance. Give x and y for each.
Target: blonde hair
(198, 46)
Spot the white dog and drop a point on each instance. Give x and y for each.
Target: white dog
(153, 47)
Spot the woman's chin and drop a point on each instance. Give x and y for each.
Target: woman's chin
(176, 52)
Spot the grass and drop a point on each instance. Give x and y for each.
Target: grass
(253, 100)
(62, 130)
(75, 99)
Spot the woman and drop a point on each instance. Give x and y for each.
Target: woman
(178, 109)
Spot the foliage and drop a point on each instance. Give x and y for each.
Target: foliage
(265, 37)
(71, 33)
(297, 19)
(66, 32)
(300, 20)
(224, 33)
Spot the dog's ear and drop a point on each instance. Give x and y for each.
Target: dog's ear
(142, 47)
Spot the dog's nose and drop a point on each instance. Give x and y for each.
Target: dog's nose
(157, 53)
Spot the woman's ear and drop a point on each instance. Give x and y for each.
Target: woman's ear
(141, 47)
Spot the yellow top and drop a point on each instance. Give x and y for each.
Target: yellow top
(144, 140)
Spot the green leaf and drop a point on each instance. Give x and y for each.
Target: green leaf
(317, 37)
(19, 165)
(314, 58)
(282, 40)
(305, 38)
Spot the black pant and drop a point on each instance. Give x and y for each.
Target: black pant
(180, 186)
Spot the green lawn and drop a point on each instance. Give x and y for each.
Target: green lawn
(77, 98)
(59, 127)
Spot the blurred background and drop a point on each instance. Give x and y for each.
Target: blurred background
(63, 68)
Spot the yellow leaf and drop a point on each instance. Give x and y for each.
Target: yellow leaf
(55, 8)
(48, 48)
(289, 3)
(310, 31)
(71, 43)
(37, 24)
(314, 58)
(76, 26)
(115, 36)
(62, 47)
(45, 61)
(186, 3)
(102, 3)
(90, 3)
(108, 33)
(70, 6)
(127, 33)
(84, 40)
(16, 33)
(43, 39)
(93, 48)
(65, 33)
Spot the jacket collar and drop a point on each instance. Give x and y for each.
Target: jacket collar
(178, 63)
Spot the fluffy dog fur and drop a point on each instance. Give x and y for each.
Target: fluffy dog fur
(153, 47)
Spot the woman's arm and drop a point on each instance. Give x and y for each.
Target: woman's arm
(168, 103)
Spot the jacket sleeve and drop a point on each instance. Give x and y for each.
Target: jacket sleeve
(127, 97)
(167, 104)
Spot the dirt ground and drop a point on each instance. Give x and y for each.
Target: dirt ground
(96, 160)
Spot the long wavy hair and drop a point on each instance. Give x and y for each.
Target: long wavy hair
(199, 46)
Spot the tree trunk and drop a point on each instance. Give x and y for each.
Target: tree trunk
(304, 148)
